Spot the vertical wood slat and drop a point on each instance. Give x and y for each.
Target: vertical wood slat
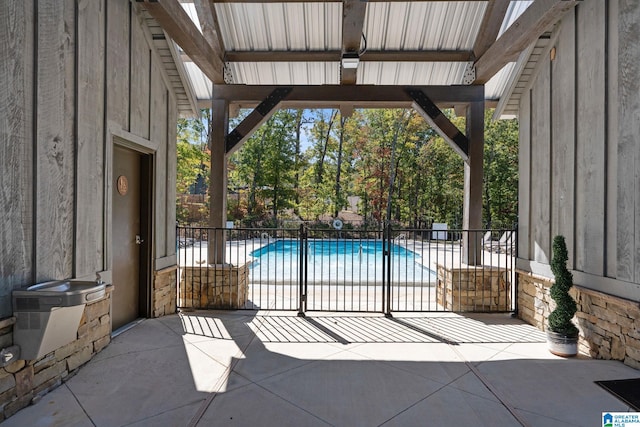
(117, 51)
(524, 177)
(16, 148)
(117, 101)
(140, 82)
(590, 154)
(172, 121)
(612, 141)
(562, 133)
(540, 165)
(55, 140)
(159, 136)
(90, 137)
(628, 146)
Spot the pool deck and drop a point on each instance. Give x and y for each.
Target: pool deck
(248, 368)
(432, 253)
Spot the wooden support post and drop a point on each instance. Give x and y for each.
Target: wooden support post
(473, 174)
(218, 186)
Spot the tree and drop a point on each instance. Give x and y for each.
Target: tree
(400, 167)
(193, 158)
(265, 166)
(500, 207)
(300, 164)
(443, 171)
(329, 159)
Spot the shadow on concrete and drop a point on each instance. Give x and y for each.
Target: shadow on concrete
(254, 368)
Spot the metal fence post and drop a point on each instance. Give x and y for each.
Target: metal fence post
(514, 273)
(387, 274)
(302, 269)
(178, 270)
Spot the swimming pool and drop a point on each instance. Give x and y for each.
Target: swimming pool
(334, 261)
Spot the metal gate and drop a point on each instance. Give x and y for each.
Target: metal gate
(342, 269)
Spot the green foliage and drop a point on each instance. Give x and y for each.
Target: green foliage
(442, 174)
(264, 168)
(560, 318)
(500, 207)
(193, 160)
(303, 164)
(386, 145)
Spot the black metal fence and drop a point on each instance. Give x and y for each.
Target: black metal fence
(389, 270)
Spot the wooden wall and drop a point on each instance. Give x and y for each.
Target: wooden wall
(580, 150)
(72, 72)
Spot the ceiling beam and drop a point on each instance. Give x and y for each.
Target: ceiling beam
(353, 12)
(533, 22)
(335, 56)
(175, 22)
(490, 26)
(361, 96)
(210, 27)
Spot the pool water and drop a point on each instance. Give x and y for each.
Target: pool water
(338, 261)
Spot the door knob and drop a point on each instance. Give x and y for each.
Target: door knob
(139, 240)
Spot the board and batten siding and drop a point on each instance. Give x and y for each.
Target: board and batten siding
(17, 222)
(72, 73)
(580, 150)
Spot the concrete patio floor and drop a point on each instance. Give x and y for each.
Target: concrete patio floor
(250, 368)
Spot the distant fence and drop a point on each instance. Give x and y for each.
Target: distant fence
(336, 269)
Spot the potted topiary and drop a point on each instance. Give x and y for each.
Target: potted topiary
(562, 334)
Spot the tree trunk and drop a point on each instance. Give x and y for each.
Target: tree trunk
(337, 208)
(296, 185)
(392, 165)
(320, 169)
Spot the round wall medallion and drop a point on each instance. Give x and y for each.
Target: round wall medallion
(123, 185)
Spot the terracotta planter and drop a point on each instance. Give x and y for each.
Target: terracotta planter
(562, 345)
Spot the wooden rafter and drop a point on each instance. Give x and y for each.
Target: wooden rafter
(175, 21)
(210, 26)
(525, 30)
(353, 12)
(490, 26)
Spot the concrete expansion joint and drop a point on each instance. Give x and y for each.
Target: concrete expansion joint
(503, 401)
(207, 402)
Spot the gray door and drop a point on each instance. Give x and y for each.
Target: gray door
(126, 236)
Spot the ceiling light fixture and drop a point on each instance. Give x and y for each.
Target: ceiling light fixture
(350, 60)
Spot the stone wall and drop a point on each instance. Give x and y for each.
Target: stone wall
(25, 381)
(473, 288)
(164, 292)
(214, 286)
(609, 326)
